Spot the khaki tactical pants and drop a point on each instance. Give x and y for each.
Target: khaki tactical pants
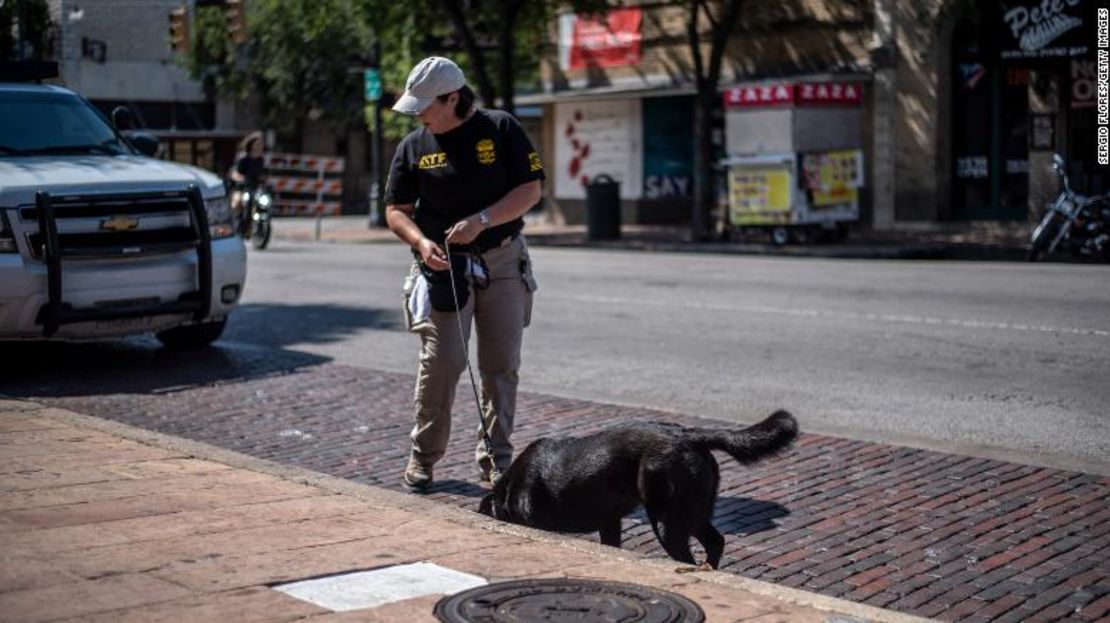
(499, 314)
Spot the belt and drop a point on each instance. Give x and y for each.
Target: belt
(482, 248)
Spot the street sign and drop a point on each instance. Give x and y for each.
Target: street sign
(373, 83)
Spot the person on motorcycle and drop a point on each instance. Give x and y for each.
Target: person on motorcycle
(249, 170)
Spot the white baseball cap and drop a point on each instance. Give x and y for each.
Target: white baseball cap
(432, 77)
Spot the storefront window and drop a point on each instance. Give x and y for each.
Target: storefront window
(1005, 55)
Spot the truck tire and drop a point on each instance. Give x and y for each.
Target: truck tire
(193, 335)
(780, 235)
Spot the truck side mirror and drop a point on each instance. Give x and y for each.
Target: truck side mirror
(145, 142)
(123, 118)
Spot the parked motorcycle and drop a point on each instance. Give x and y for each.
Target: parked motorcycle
(255, 215)
(1074, 223)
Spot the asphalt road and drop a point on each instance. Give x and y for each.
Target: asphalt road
(995, 359)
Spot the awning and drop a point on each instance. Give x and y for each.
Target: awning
(627, 91)
(604, 93)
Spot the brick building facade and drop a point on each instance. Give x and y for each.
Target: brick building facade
(939, 145)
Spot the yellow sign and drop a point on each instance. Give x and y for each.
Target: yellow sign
(833, 177)
(759, 195)
(835, 196)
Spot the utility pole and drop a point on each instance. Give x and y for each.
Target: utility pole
(373, 84)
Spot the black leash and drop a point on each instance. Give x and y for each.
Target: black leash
(486, 442)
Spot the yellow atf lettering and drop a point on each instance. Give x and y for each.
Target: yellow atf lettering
(534, 162)
(486, 153)
(432, 161)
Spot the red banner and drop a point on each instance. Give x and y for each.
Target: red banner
(795, 94)
(612, 41)
(832, 93)
(781, 94)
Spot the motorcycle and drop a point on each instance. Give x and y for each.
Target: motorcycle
(255, 216)
(1074, 223)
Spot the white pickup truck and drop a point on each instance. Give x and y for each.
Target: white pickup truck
(100, 241)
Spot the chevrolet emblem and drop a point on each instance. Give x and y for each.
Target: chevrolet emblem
(119, 222)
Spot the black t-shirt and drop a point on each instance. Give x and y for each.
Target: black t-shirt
(253, 169)
(452, 175)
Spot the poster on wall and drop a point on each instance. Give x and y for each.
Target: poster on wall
(668, 147)
(592, 138)
(610, 40)
(1043, 133)
(1082, 83)
(759, 194)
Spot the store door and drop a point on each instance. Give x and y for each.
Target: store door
(990, 140)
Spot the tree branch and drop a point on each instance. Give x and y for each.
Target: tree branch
(481, 75)
(721, 32)
(695, 42)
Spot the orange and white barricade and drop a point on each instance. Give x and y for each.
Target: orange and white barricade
(305, 185)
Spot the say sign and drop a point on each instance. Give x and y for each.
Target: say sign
(373, 83)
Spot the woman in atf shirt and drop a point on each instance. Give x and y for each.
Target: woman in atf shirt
(462, 183)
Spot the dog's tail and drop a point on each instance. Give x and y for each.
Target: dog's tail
(753, 443)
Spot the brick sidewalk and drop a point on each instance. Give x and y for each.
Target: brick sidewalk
(106, 523)
(920, 532)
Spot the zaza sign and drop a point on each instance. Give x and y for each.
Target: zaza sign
(794, 94)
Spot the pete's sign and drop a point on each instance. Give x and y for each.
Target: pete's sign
(1051, 28)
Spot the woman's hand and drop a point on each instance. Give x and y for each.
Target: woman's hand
(465, 231)
(433, 256)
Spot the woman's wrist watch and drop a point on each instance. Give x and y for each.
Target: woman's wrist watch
(483, 218)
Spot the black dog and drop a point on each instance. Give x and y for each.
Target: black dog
(588, 484)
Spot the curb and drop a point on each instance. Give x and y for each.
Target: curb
(384, 498)
(861, 250)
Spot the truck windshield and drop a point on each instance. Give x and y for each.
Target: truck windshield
(33, 124)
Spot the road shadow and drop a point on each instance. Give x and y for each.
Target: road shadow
(738, 516)
(134, 366)
(461, 488)
(253, 345)
(281, 325)
(743, 516)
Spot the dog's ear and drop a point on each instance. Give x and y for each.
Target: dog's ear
(485, 507)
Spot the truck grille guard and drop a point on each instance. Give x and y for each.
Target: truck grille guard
(57, 247)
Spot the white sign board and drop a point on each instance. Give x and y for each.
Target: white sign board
(592, 138)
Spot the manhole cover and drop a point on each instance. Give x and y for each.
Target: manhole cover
(560, 599)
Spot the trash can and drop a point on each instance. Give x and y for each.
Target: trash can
(603, 208)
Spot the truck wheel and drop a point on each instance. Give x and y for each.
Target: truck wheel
(803, 235)
(780, 235)
(193, 335)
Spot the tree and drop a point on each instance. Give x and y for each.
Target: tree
(301, 54)
(707, 77)
(296, 60)
(34, 26)
(517, 27)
